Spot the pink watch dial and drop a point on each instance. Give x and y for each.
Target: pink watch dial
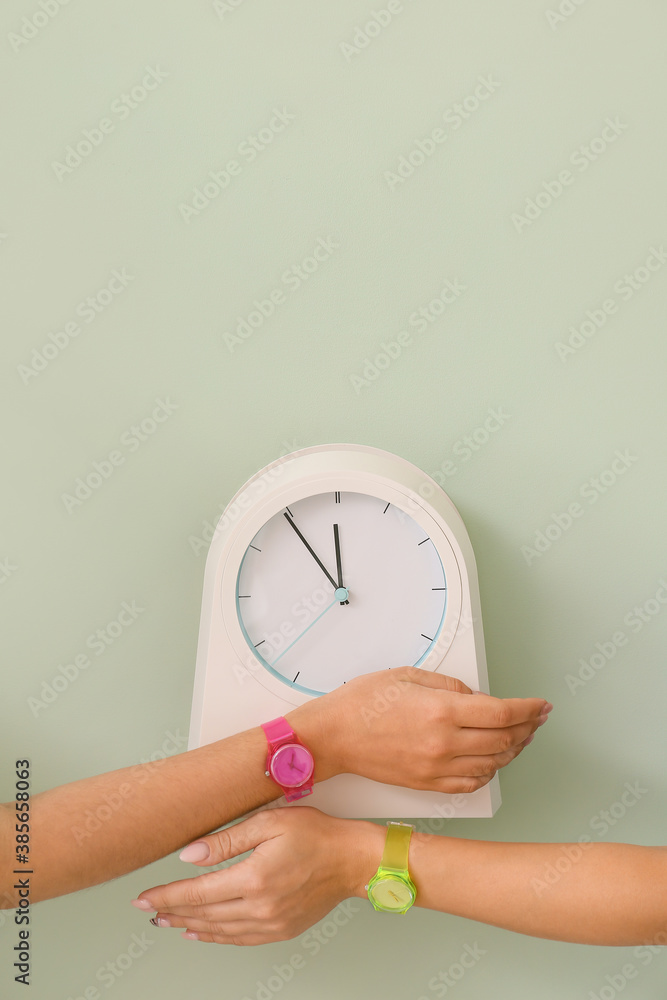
(292, 765)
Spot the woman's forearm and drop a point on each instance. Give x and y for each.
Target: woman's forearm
(89, 831)
(101, 827)
(307, 863)
(604, 894)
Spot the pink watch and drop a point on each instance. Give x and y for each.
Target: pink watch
(288, 761)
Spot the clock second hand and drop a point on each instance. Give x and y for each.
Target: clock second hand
(328, 608)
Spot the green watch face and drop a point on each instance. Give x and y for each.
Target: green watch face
(390, 892)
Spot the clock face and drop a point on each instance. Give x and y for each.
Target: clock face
(336, 585)
(292, 765)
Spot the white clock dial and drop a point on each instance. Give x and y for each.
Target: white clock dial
(314, 620)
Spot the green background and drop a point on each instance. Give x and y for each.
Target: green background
(289, 385)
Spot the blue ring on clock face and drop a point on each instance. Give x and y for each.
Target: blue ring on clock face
(388, 567)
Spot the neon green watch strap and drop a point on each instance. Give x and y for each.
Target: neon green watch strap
(391, 889)
(397, 846)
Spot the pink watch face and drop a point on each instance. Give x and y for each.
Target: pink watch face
(292, 765)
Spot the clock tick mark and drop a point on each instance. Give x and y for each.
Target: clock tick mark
(337, 497)
(297, 674)
(241, 596)
(438, 588)
(259, 643)
(255, 547)
(289, 512)
(385, 510)
(422, 541)
(427, 637)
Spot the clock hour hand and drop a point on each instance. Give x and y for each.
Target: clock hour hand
(339, 569)
(315, 557)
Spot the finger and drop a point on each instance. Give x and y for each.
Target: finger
(226, 844)
(486, 712)
(460, 784)
(220, 846)
(476, 742)
(483, 764)
(202, 916)
(223, 885)
(240, 932)
(243, 932)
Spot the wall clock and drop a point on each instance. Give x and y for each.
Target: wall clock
(337, 560)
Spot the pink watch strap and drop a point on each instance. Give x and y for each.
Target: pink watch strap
(278, 730)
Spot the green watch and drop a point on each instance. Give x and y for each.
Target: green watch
(391, 888)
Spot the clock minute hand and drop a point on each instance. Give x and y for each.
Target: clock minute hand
(315, 557)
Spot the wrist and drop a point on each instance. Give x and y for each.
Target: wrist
(316, 729)
(363, 845)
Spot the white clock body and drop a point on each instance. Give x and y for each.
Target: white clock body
(277, 628)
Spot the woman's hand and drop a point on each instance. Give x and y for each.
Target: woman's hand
(418, 729)
(303, 863)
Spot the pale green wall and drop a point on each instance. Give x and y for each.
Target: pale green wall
(289, 385)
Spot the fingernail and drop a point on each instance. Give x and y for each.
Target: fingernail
(198, 851)
(547, 708)
(542, 719)
(190, 936)
(529, 740)
(160, 922)
(142, 904)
